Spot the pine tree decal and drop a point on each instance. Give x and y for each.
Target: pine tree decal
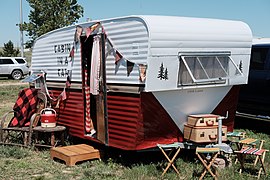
(166, 74)
(241, 66)
(161, 72)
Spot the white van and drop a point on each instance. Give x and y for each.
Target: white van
(13, 67)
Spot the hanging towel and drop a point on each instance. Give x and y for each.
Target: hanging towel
(95, 67)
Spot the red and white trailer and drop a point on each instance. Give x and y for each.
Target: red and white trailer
(134, 80)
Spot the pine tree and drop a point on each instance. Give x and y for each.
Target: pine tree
(9, 50)
(241, 66)
(161, 72)
(166, 74)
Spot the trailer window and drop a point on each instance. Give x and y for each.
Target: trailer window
(206, 69)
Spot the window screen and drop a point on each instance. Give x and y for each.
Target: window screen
(206, 68)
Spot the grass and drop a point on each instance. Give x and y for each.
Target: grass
(9, 94)
(28, 163)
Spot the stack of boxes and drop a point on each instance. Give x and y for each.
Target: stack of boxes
(203, 128)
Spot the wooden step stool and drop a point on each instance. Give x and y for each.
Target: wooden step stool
(74, 153)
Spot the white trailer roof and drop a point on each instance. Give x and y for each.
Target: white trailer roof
(169, 35)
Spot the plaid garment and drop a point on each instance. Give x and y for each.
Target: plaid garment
(24, 107)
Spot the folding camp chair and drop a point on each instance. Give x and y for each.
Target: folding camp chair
(171, 147)
(203, 155)
(250, 151)
(17, 130)
(251, 143)
(236, 135)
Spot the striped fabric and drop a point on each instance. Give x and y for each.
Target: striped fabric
(250, 150)
(88, 121)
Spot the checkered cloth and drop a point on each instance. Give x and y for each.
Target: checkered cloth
(24, 107)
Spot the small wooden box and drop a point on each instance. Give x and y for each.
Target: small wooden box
(203, 120)
(75, 153)
(204, 134)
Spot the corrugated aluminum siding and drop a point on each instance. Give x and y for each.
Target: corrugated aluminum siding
(71, 112)
(53, 47)
(123, 120)
(128, 35)
(130, 38)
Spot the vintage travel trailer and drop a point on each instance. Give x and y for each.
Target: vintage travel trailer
(130, 82)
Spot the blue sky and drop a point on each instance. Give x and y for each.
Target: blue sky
(256, 13)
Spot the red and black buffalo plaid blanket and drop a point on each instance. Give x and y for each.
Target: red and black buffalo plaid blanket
(24, 107)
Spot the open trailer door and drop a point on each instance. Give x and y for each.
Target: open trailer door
(101, 99)
(94, 86)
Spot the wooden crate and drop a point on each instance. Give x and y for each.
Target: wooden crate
(203, 120)
(75, 153)
(204, 134)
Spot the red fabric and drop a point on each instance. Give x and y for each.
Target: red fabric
(88, 31)
(118, 56)
(24, 107)
(130, 66)
(250, 150)
(63, 95)
(72, 52)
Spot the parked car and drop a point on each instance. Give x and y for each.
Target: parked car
(254, 98)
(13, 67)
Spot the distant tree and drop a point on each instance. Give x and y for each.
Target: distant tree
(46, 16)
(9, 50)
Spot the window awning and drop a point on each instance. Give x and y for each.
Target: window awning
(31, 78)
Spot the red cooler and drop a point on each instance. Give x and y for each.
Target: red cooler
(48, 117)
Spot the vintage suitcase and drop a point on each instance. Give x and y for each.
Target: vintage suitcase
(203, 120)
(204, 134)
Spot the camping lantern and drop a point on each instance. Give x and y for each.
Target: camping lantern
(48, 117)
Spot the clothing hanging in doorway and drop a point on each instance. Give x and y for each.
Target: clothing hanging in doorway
(95, 67)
